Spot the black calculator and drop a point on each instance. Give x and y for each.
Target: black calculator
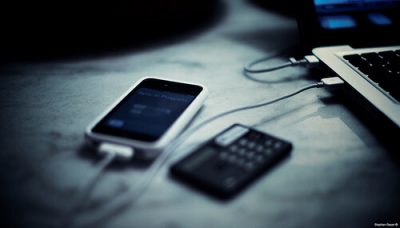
(230, 161)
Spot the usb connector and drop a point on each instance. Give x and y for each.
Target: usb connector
(332, 82)
(311, 60)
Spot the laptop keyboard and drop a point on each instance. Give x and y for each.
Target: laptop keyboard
(381, 67)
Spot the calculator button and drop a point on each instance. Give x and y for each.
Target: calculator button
(233, 148)
(268, 151)
(251, 145)
(250, 155)
(269, 142)
(243, 142)
(242, 151)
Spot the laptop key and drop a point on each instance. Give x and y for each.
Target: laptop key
(355, 60)
(366, 68)
(351, 57)
(393, 67)
(376, 74)
(390, 56)
(373, 58)
(362, 64)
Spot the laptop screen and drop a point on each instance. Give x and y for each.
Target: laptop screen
(348, 14)
(358, 23)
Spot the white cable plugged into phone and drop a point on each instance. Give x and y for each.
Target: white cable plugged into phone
(308, 60)
(124, 153)
(129, 197)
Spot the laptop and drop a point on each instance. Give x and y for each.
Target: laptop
(360, 41)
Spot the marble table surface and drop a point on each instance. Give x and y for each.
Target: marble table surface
(339, 174)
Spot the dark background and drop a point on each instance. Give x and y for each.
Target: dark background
(34, 29)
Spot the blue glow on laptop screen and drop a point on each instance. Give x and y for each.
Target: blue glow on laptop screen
(346, 14)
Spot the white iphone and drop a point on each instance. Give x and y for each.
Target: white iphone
(150, 115)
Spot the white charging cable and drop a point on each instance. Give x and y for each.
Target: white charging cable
(109, 152)
(309, 60)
